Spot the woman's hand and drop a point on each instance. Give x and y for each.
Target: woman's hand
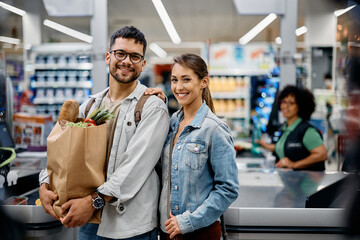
(156, 91)
(285, 163)
(261, 141)
(317, 154)
(264, 144)
(172, 226)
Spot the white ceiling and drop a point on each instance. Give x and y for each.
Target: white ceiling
(194, 20)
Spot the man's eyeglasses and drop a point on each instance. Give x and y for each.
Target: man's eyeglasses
(122, 55)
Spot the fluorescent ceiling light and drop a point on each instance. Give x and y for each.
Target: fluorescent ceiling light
(300, 30)
(196, 45)
(337, 13)
(158, 50)
(257, 29)
(278, 40)
(12, 9)
(166, 21)
(68, 31)
(10, 40)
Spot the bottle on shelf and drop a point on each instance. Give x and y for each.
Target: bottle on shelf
(256, 135)
(231, 84)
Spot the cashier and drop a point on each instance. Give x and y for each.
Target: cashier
(300, 146)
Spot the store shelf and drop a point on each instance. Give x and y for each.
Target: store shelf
(234, 115)
(74, 66)
(231, 95)
(52, 101)
(81, 84)
(61, 72)
(238, 72)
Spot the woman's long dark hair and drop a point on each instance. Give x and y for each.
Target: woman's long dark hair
(198, 65)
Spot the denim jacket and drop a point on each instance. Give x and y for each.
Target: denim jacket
(204, 176)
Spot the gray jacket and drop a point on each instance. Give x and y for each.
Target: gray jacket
(131, 177)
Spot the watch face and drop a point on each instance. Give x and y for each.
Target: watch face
(98, 202)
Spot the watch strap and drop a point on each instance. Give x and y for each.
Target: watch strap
(100, 194)
(94, 195)
(98, 201)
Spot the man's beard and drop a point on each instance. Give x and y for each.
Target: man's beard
(134, 75)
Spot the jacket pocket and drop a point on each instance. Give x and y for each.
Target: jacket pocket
(196, 155)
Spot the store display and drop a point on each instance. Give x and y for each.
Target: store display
(59, 76)
(30, 130)
(230, 95)
(232, 69)
(264, 89)
(14, 70)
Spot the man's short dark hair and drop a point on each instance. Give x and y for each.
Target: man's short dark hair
(129, 32)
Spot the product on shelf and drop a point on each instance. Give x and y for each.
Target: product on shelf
(264, 93)
(31, 130)
(231, 98)
(60, 76)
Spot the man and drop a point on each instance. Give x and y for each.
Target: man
(131, 189)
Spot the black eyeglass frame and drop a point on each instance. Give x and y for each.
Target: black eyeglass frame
(126, 54)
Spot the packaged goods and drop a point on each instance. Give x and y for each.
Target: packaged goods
(31, 130)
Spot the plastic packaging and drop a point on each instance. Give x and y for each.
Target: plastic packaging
(256, 136)
(15, 200)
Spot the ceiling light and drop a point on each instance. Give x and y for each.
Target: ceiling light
(200, 45)
(278, 40)
(68, 31)
(300, 30)
(166, 21)
(158, 50)
(337, 13)
(257, 29)
(9, 40)
(12, 9)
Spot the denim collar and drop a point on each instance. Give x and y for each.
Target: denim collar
(197, 121)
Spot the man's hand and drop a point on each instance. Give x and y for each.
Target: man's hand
(79, 211)
(172, 226)
(156, 91)
(47, 198)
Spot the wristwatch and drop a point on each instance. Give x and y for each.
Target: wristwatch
(98, 200)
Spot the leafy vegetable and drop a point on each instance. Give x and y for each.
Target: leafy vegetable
(97, 117)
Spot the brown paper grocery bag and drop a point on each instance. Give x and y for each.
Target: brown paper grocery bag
(76, 163)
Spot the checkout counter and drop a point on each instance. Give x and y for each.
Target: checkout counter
(285, 204)
(38, 225)
(272, 203)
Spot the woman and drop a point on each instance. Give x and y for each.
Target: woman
(300, 145)
(199, 173)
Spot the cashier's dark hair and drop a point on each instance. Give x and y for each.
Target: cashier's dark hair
(304, 100)
(198, 65)
(129, 32)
